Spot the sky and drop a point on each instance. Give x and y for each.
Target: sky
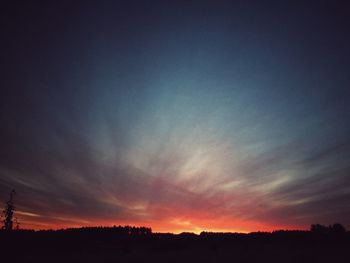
(177, 115)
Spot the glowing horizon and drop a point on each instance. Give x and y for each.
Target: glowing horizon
(175, 227)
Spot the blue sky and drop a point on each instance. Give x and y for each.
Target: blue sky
(183, 117)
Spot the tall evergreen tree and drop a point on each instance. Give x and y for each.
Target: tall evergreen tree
(8, 213)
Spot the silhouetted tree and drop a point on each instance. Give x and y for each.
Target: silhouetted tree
(338, 228)
(331, 229)
(317, 228)
(8, 213)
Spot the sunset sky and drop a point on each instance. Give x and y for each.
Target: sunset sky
(177, 115)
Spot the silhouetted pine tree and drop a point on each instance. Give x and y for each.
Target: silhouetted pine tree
(8, 213)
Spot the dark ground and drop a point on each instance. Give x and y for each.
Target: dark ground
(118, 245)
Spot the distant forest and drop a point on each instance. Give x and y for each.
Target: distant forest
(140, 244)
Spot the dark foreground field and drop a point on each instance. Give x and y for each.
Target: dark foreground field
(114, 245)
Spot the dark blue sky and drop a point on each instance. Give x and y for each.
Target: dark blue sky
(179, 115)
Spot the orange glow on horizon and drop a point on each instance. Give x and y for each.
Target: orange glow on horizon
(175, 226)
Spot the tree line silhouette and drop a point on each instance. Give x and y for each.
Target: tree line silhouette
(139, 244)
